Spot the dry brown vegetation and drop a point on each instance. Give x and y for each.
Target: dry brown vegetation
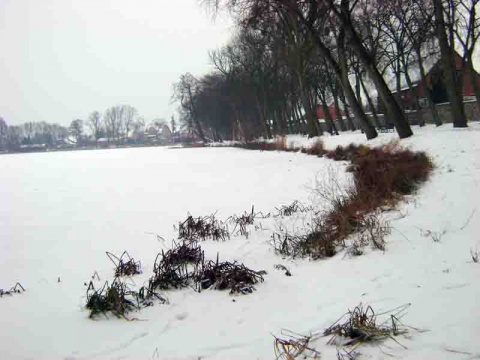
(382, 177)
(125, 265)
(356, 327)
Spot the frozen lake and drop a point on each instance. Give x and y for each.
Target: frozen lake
(61, 211)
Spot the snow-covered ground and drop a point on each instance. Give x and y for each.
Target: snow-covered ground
(60, 212)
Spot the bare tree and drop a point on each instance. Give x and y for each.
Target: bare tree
(3, 133)
(445, 18)
(185, 91)
(113, 119)
(76, 129)
(467, 33)
(95, 124)
(129, 115)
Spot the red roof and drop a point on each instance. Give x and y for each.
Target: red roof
(332, 110)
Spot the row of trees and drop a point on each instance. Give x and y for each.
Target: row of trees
(119, 124)
(288, 56)
(116, 124)
(13, 136)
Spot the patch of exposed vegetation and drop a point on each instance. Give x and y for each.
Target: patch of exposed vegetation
(382, 177)
(125, 265)
(227, 276)
(356, 327)
(203, 228)
(16, 289)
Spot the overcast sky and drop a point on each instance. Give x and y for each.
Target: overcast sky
(62, 59)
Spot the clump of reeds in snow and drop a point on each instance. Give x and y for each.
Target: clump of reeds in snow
(16, 289)
(125, 265)
(227, 276)
(356, 327)
(202, 228)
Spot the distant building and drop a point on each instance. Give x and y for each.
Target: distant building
(158, 135)
(436, 88)
(332, 110)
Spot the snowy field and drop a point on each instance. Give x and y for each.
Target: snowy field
(60, 212)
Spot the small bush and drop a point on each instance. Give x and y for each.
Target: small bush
(317, 148)
(382, 177)
(171, 268)
(281, 143)
(316, 243)
(116, 298)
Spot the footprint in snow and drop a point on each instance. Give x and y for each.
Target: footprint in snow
(181, 316)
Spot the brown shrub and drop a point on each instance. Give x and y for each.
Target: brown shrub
(281, 143)
(382, 176)
(317, 148)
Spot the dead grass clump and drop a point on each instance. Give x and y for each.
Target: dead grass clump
(258, 145)
(292, 346)
(382, 177)
(361, 325)
(241, 222)
(202, 228)
(125, 265)
(169, 274)
(289, 210)
(116, 298)
(346, 153)
(316, 244)
(357, 326)
(474, 254)
(171, 268)
(16, 289)
(317, 148)
(183, 253)
(283, 268)
(281, 143)
(227, 275)
(390, 171)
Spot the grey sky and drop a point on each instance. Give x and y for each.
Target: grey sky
(62, 59)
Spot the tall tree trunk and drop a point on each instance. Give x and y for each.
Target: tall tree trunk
(358, 91)
(376, 121)
(333, 89)
(351, 124)
(326, 111)
(263, 120)
(295, 117)
(394, 111)
(310, 113)
(362, 119)
(360, 115)
(195, 117)
(474, 82)
(303, 124)
(449, 67)
(423, 77)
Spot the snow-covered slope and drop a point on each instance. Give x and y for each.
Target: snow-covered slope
(60, 212)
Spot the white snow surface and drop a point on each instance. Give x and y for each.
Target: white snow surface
(61, 211)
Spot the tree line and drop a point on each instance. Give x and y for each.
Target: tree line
(118, 125)
(290, 56)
